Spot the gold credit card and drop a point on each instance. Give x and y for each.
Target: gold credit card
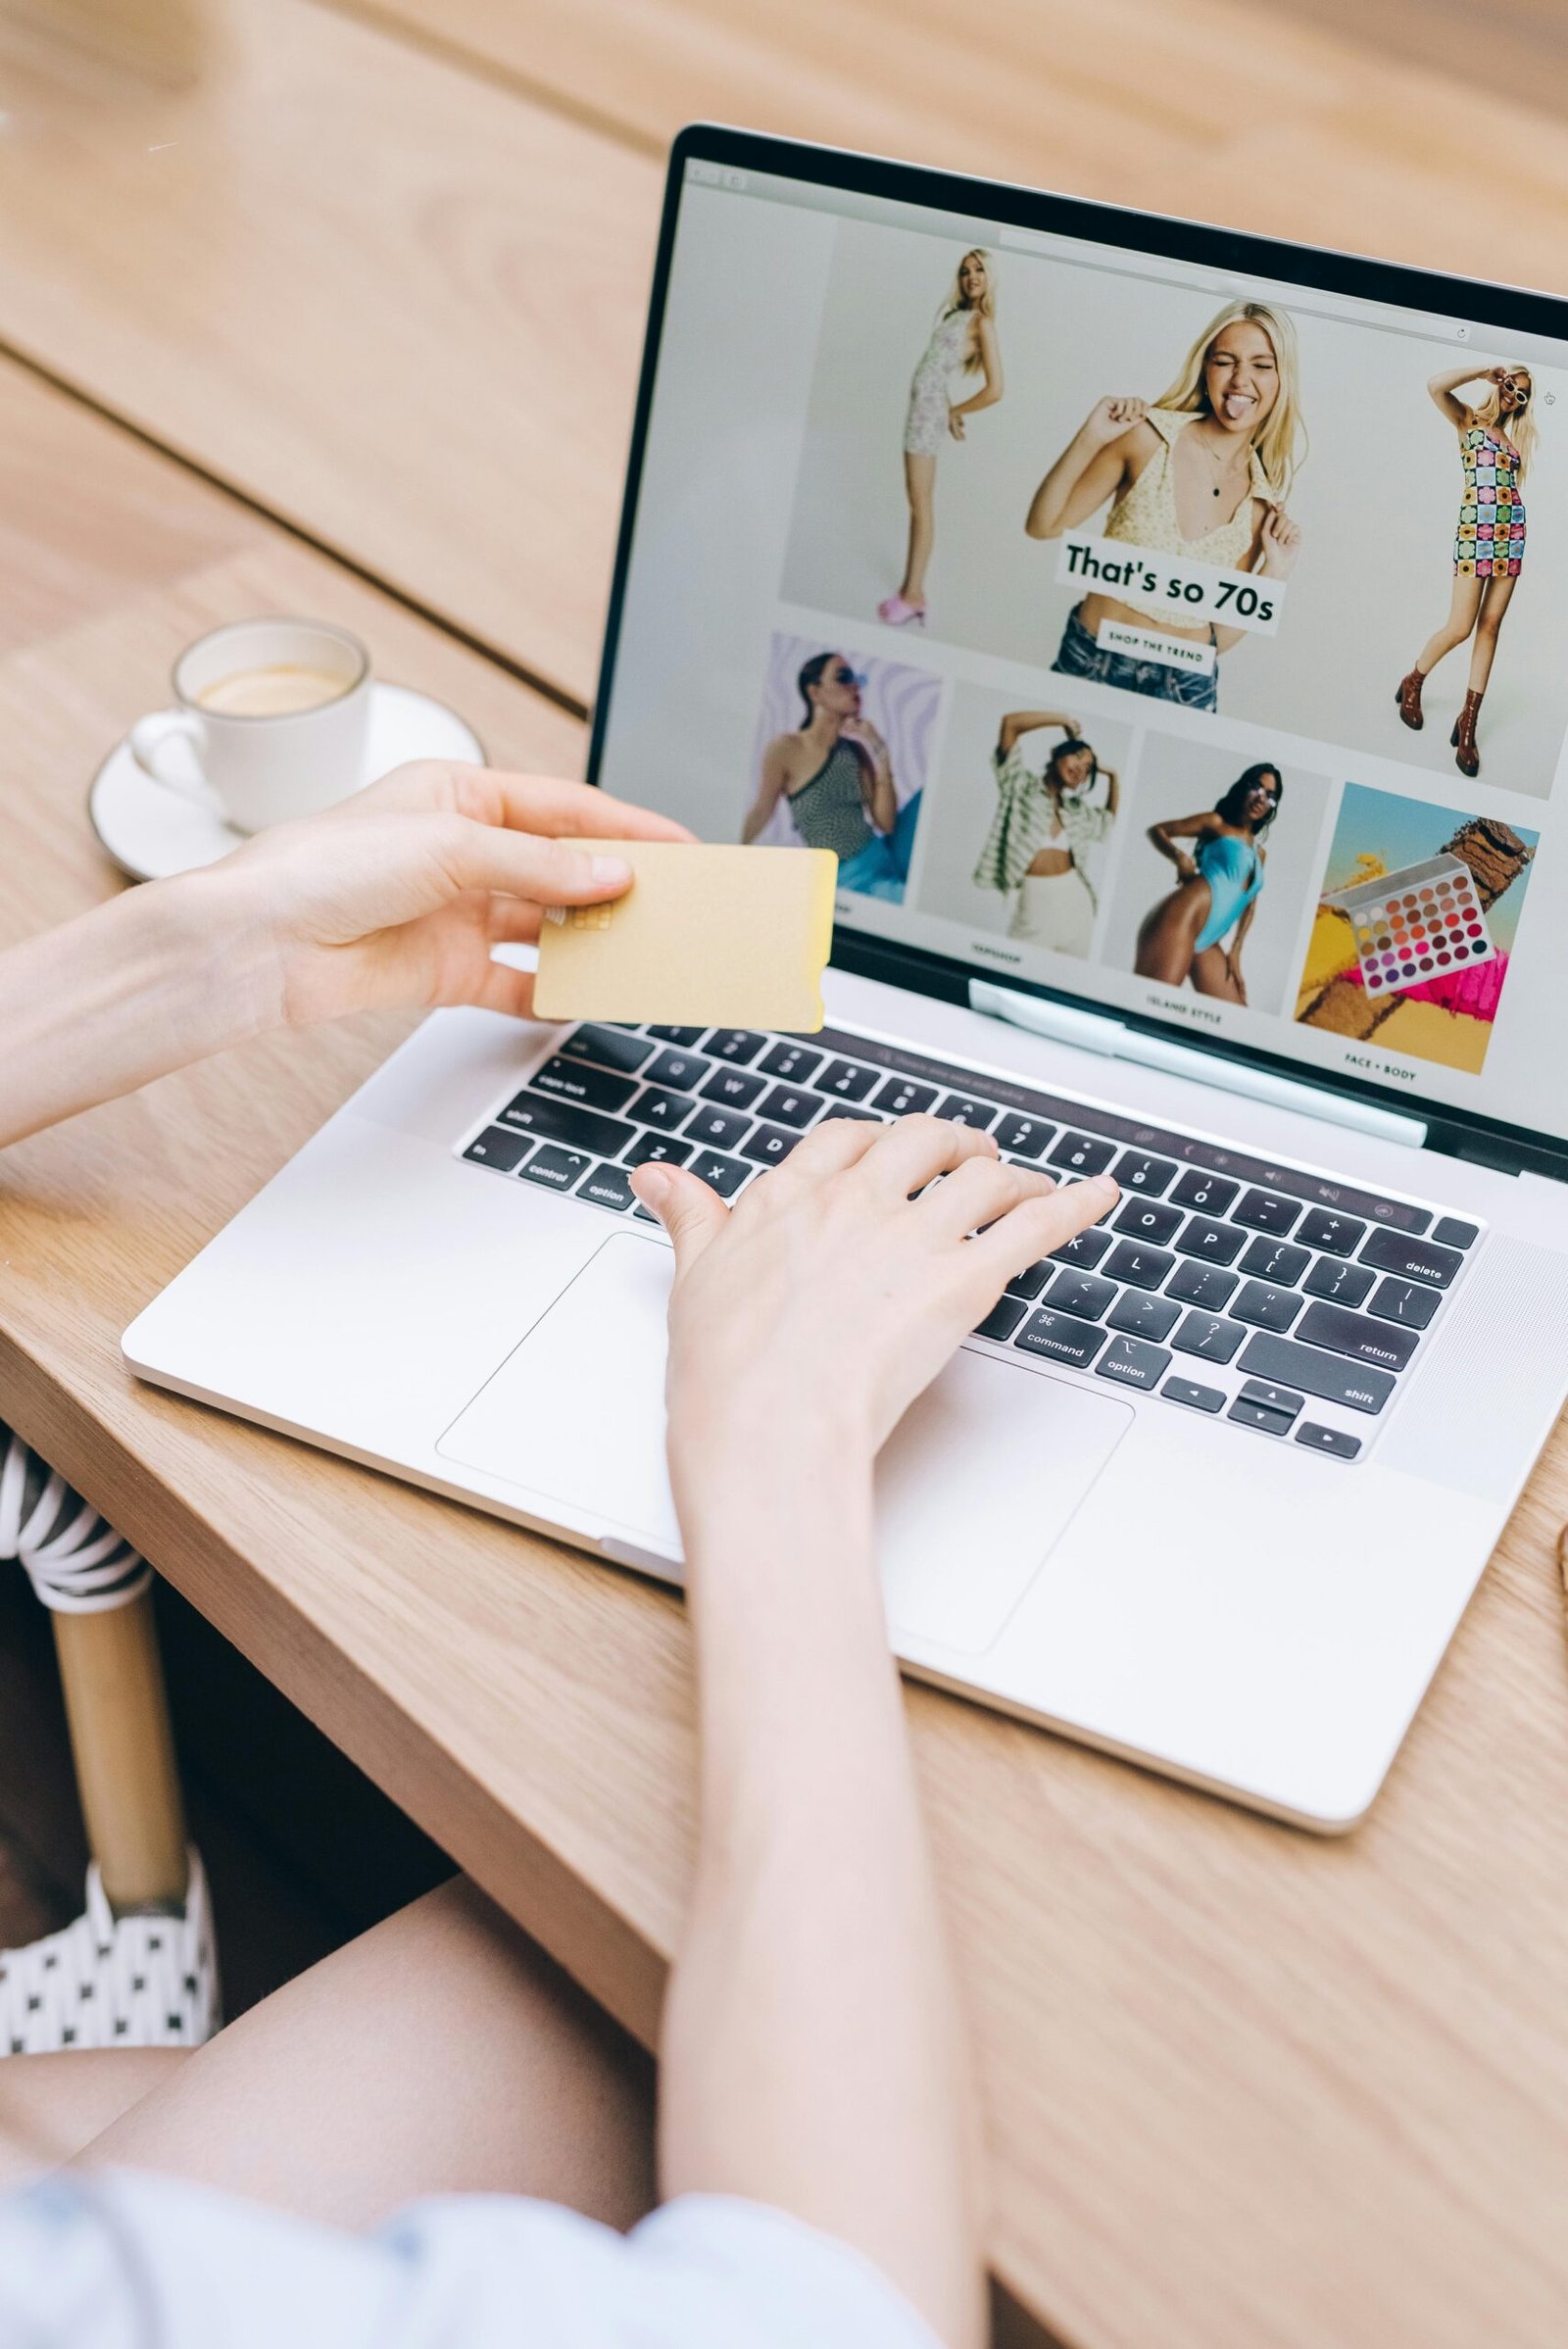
(710, 936)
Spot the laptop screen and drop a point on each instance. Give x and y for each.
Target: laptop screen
(1178, 635)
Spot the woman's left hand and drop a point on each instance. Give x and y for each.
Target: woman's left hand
(1281, 542)
(861, 730)
(955, 422)
(397, 895)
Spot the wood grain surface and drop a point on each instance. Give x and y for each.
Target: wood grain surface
(1244, 2088)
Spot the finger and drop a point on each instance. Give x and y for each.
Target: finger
(1035, 1228)
(512, 921)
(976, 1193)
(913, 1150)
(690, 1211)
(542, 803)
(520, 865)
(829, 1148)
(503, 988)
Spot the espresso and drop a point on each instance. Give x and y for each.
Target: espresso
(279, 692)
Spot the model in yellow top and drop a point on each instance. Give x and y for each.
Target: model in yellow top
(1203, 472)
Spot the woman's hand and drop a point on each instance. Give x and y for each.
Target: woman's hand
(1281, 543)
(1233, 967)
(861, 730)
(804, 1323)
(397, 895)
(1110, 417)
(955, 422)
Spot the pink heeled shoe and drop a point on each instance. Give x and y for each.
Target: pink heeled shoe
(899, 615)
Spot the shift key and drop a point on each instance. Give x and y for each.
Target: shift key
(1311, 1372)
(556, 1120)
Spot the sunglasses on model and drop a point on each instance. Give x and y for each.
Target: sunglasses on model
(844, 677)
(1520, 391)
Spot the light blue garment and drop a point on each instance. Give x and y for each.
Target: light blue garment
(122, 2261)
(1234, 872)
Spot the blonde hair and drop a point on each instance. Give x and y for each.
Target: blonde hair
(985, 308)
(1520, 427)
(1281, 438)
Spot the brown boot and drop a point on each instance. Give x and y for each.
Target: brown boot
(1466, 757)
(1407, 693)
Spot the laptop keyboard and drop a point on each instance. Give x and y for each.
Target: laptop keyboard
(1286, 1301)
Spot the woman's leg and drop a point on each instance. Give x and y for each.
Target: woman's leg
(1456, 627)
(1496, 594)
(1170, 931)
(52, 2105)
(1211, 975)
(441, 2052)
(919, 482)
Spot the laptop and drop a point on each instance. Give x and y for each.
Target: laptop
(1112, 594)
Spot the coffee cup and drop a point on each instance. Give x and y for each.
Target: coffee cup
(270, 721)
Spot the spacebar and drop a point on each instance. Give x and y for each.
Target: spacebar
(1286, 1364)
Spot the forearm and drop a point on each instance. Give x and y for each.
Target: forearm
(1048, 511)
(153, 979)
(813, 2055)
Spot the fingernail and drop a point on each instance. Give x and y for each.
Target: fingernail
(652, 1185)
(609, 872)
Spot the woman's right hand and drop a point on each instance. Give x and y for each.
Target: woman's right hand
(805, 1322)
(1111, 417)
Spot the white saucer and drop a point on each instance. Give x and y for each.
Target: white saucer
(152, 832)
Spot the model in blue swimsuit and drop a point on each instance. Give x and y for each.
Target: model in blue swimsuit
(1183, 936)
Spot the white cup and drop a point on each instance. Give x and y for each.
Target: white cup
(274, 752)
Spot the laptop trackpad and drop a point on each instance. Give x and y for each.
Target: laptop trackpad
(972, 1490)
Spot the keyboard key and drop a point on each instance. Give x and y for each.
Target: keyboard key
(1266, 1211)
(770, 1146)
(1002, 1320)
(1277, 1260)
(792, 1062)
(607, 1186)
(1083, 1249)
(966, 1112)
(1334, 1441)
(1143, 1219)
(1023, 1137)
(1084, 1294)
(1060, 1338)
(1211, 1243)
(733, 1088)
(1353, 1334)
(1450, 1232)
(1140, 1267)
(845, 1081)
(1143, 1316)
(787, 1105)
(1204, 1285)
(683, 1072)
(1132, 1363)
(1336, 1235)
(1210, 1335)
(718, 1129)
(900, 1097)
(557, 1169)
(1342, 1284)
(684, 1037)
(1258, 1415)
(1266, 1309)
(552, 1120)
(1196, 1398)
(498, 1148)
(1135, 1170)
(1032, 1279)
(720, 1174)
(1083, 1154)
(1412, 1260)
(656, 1108)
(579, 1081)
(739, 1045)
(1328, 1376)
(1210, 1193)
(1411, 1303)
(612, 1048)
(658, 1150)
(1272, 1398)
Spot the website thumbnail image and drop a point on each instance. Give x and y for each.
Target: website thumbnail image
(1339, 530)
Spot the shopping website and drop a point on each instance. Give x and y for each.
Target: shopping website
(1189, 644)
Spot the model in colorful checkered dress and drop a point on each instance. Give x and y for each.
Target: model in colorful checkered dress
(1496, 439)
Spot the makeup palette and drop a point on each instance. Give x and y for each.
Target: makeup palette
(1415, 925)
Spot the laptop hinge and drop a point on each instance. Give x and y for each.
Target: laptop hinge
(1092, 1032)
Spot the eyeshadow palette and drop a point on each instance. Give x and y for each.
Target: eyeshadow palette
(1415, 925)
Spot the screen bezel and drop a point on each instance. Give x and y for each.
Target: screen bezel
(1462, 1133)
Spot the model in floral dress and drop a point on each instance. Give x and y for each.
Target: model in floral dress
(963, 341)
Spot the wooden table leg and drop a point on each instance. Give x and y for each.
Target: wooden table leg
(124, 1753)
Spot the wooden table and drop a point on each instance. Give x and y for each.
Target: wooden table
(280, 285)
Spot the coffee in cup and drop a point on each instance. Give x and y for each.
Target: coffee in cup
(281, 691)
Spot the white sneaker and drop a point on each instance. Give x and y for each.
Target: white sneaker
(108, 1981)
